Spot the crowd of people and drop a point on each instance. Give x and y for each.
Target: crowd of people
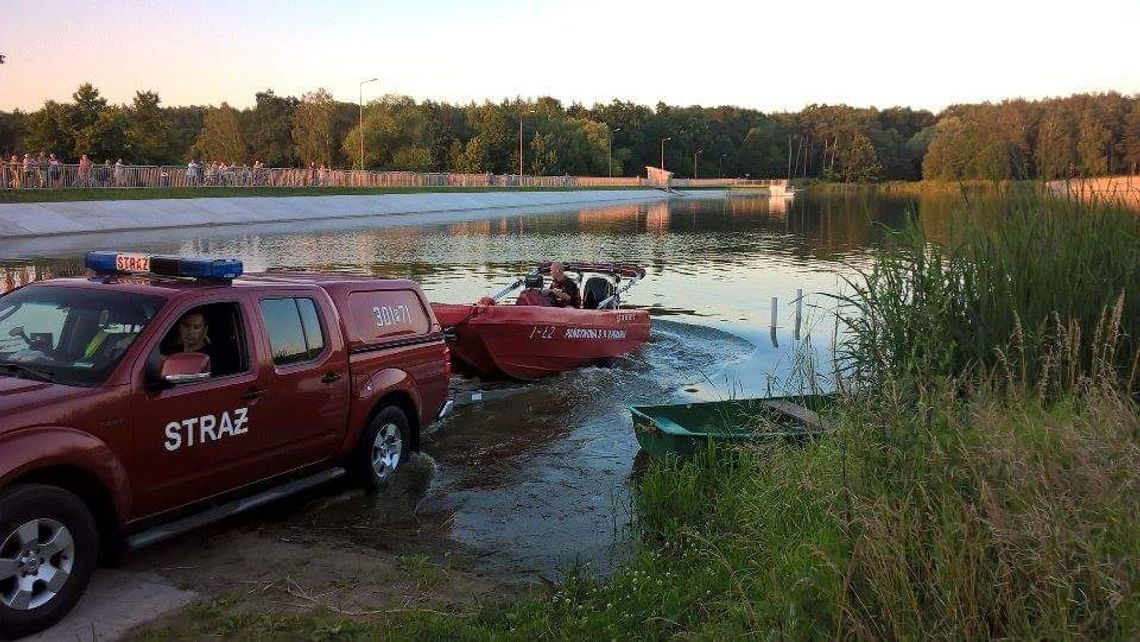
(46, 171)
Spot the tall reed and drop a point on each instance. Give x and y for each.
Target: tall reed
(1039, 291)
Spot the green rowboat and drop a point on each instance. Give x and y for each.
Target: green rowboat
(684, 429)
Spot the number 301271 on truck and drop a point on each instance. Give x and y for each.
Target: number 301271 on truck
(164, 393)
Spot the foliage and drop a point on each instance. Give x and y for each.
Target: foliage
(268, 129)
(1042, 290)
(221, 139)
(1084, 134)
(314, 127)
(150, 134)
(1000, 518)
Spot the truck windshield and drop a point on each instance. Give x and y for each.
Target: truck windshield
(71, 336)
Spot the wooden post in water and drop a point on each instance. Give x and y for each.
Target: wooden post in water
(775, 303)
(799, 310)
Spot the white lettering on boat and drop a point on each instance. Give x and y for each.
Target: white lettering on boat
(595, 333)
(542, 332)
(389, 315)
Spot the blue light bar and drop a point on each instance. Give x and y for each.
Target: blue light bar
(193, 267)
(102, 262)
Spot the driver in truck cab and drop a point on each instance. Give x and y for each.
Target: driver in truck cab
(193, 335)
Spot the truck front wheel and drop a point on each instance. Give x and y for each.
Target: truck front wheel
(48, 547)
(383, 447)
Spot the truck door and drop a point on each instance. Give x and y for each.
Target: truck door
(307, 376)
(197, 439)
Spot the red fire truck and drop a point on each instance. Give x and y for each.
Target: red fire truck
(163, 393)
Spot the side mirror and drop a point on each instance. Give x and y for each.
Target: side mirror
(185, 367)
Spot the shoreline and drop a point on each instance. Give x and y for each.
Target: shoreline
(46, 219)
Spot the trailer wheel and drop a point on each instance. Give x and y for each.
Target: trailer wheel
(48, 548)
(383, 447)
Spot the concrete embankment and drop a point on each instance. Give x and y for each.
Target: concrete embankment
(49, 219)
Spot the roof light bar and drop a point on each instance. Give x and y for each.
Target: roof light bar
(194, 267)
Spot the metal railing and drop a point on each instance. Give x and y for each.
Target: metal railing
(21, 176)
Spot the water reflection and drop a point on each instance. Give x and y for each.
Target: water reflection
(715, 261)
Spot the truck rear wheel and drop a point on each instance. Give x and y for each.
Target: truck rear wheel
(48, 548)
(383, 447)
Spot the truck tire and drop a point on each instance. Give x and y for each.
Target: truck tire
(48, 548)
(384, 445)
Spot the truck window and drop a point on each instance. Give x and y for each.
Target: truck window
(294, 330)
(215, 329)
(72, 336)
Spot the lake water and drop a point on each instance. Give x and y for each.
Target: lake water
(541, 478)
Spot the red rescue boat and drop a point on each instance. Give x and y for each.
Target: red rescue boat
(531, 339)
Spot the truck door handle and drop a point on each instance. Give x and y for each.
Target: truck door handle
(253, 393)
(331, 377)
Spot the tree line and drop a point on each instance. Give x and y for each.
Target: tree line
(1083, 134)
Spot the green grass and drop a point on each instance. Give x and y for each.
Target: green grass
(113, 194)
(993, 519)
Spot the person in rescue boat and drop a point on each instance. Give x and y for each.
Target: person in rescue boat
(563, 290)
(194, 335)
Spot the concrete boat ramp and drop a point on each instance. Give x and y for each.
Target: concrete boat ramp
(21, 220)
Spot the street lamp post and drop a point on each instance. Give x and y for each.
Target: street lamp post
(663, 151)
(362, 83)
(695, 162)
(531, 111)
(610, 150)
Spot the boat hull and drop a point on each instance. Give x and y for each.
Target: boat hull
(685, 429)
(531, 342)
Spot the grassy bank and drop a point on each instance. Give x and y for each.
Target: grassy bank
(990, 519)
(112, 194)
(916, 189)
(981, 481)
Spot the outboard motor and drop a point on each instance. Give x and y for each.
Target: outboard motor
(533, 280)
(598, 289)
(533, 294)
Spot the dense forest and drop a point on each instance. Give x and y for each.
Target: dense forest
(1082, 135)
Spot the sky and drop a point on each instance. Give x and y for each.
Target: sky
(772, 56)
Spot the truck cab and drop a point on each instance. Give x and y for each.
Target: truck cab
(161, 393)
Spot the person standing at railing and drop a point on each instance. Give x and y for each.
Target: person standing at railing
(41, 169)
(84, 178)
(29, 171)
(16, 172)
(103, 173)
(120, 174)
(192, 173)
(55, 170)
(5, 181)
